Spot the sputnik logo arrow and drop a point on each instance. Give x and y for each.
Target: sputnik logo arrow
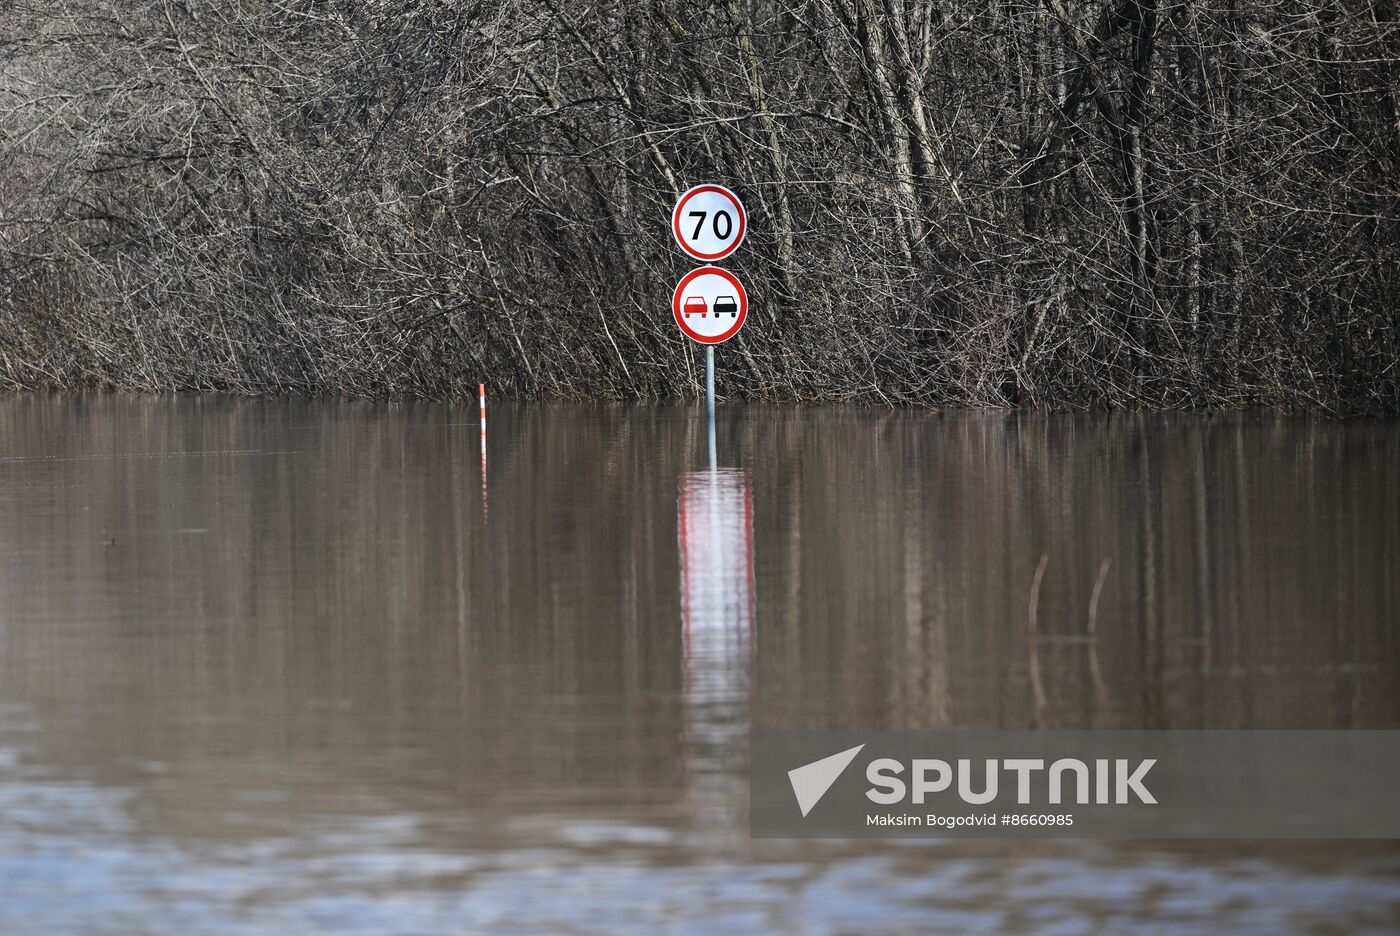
(811, 781)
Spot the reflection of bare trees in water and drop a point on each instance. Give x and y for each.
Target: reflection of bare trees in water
(1133, 571)
(307, 598)
(1028, 201)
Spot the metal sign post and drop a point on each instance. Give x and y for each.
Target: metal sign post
(710, 380)
(710, 397)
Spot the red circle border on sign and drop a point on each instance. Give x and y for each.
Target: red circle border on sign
(680, 319)
(680, 207)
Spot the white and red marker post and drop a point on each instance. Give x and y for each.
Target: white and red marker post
(481, 399)
(709, 304)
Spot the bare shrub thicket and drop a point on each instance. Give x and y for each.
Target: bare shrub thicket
(1032, 201)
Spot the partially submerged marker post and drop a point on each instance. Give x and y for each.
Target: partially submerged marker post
(481, 399)
(709, 304)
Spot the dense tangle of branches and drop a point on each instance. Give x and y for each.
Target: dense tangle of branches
(1042, 202)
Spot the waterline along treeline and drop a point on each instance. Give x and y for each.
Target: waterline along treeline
(1133, 202)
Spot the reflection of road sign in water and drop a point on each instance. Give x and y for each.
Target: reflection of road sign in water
(709, 222)
(715, 532)
(710, 305)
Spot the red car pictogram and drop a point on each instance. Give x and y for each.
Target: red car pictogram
(694, 305)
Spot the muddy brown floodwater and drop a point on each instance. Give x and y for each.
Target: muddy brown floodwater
(295, 667)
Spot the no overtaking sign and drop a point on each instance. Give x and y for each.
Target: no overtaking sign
(710, 305)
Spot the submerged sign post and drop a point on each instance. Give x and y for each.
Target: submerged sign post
(709, 304)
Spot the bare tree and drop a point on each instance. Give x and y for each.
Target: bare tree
(1130, 202)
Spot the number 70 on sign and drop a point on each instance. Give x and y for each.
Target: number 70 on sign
(709, 222)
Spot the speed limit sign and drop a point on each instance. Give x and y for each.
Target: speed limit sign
(709, 222)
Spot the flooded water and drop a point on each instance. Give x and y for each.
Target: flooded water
(298, 667)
